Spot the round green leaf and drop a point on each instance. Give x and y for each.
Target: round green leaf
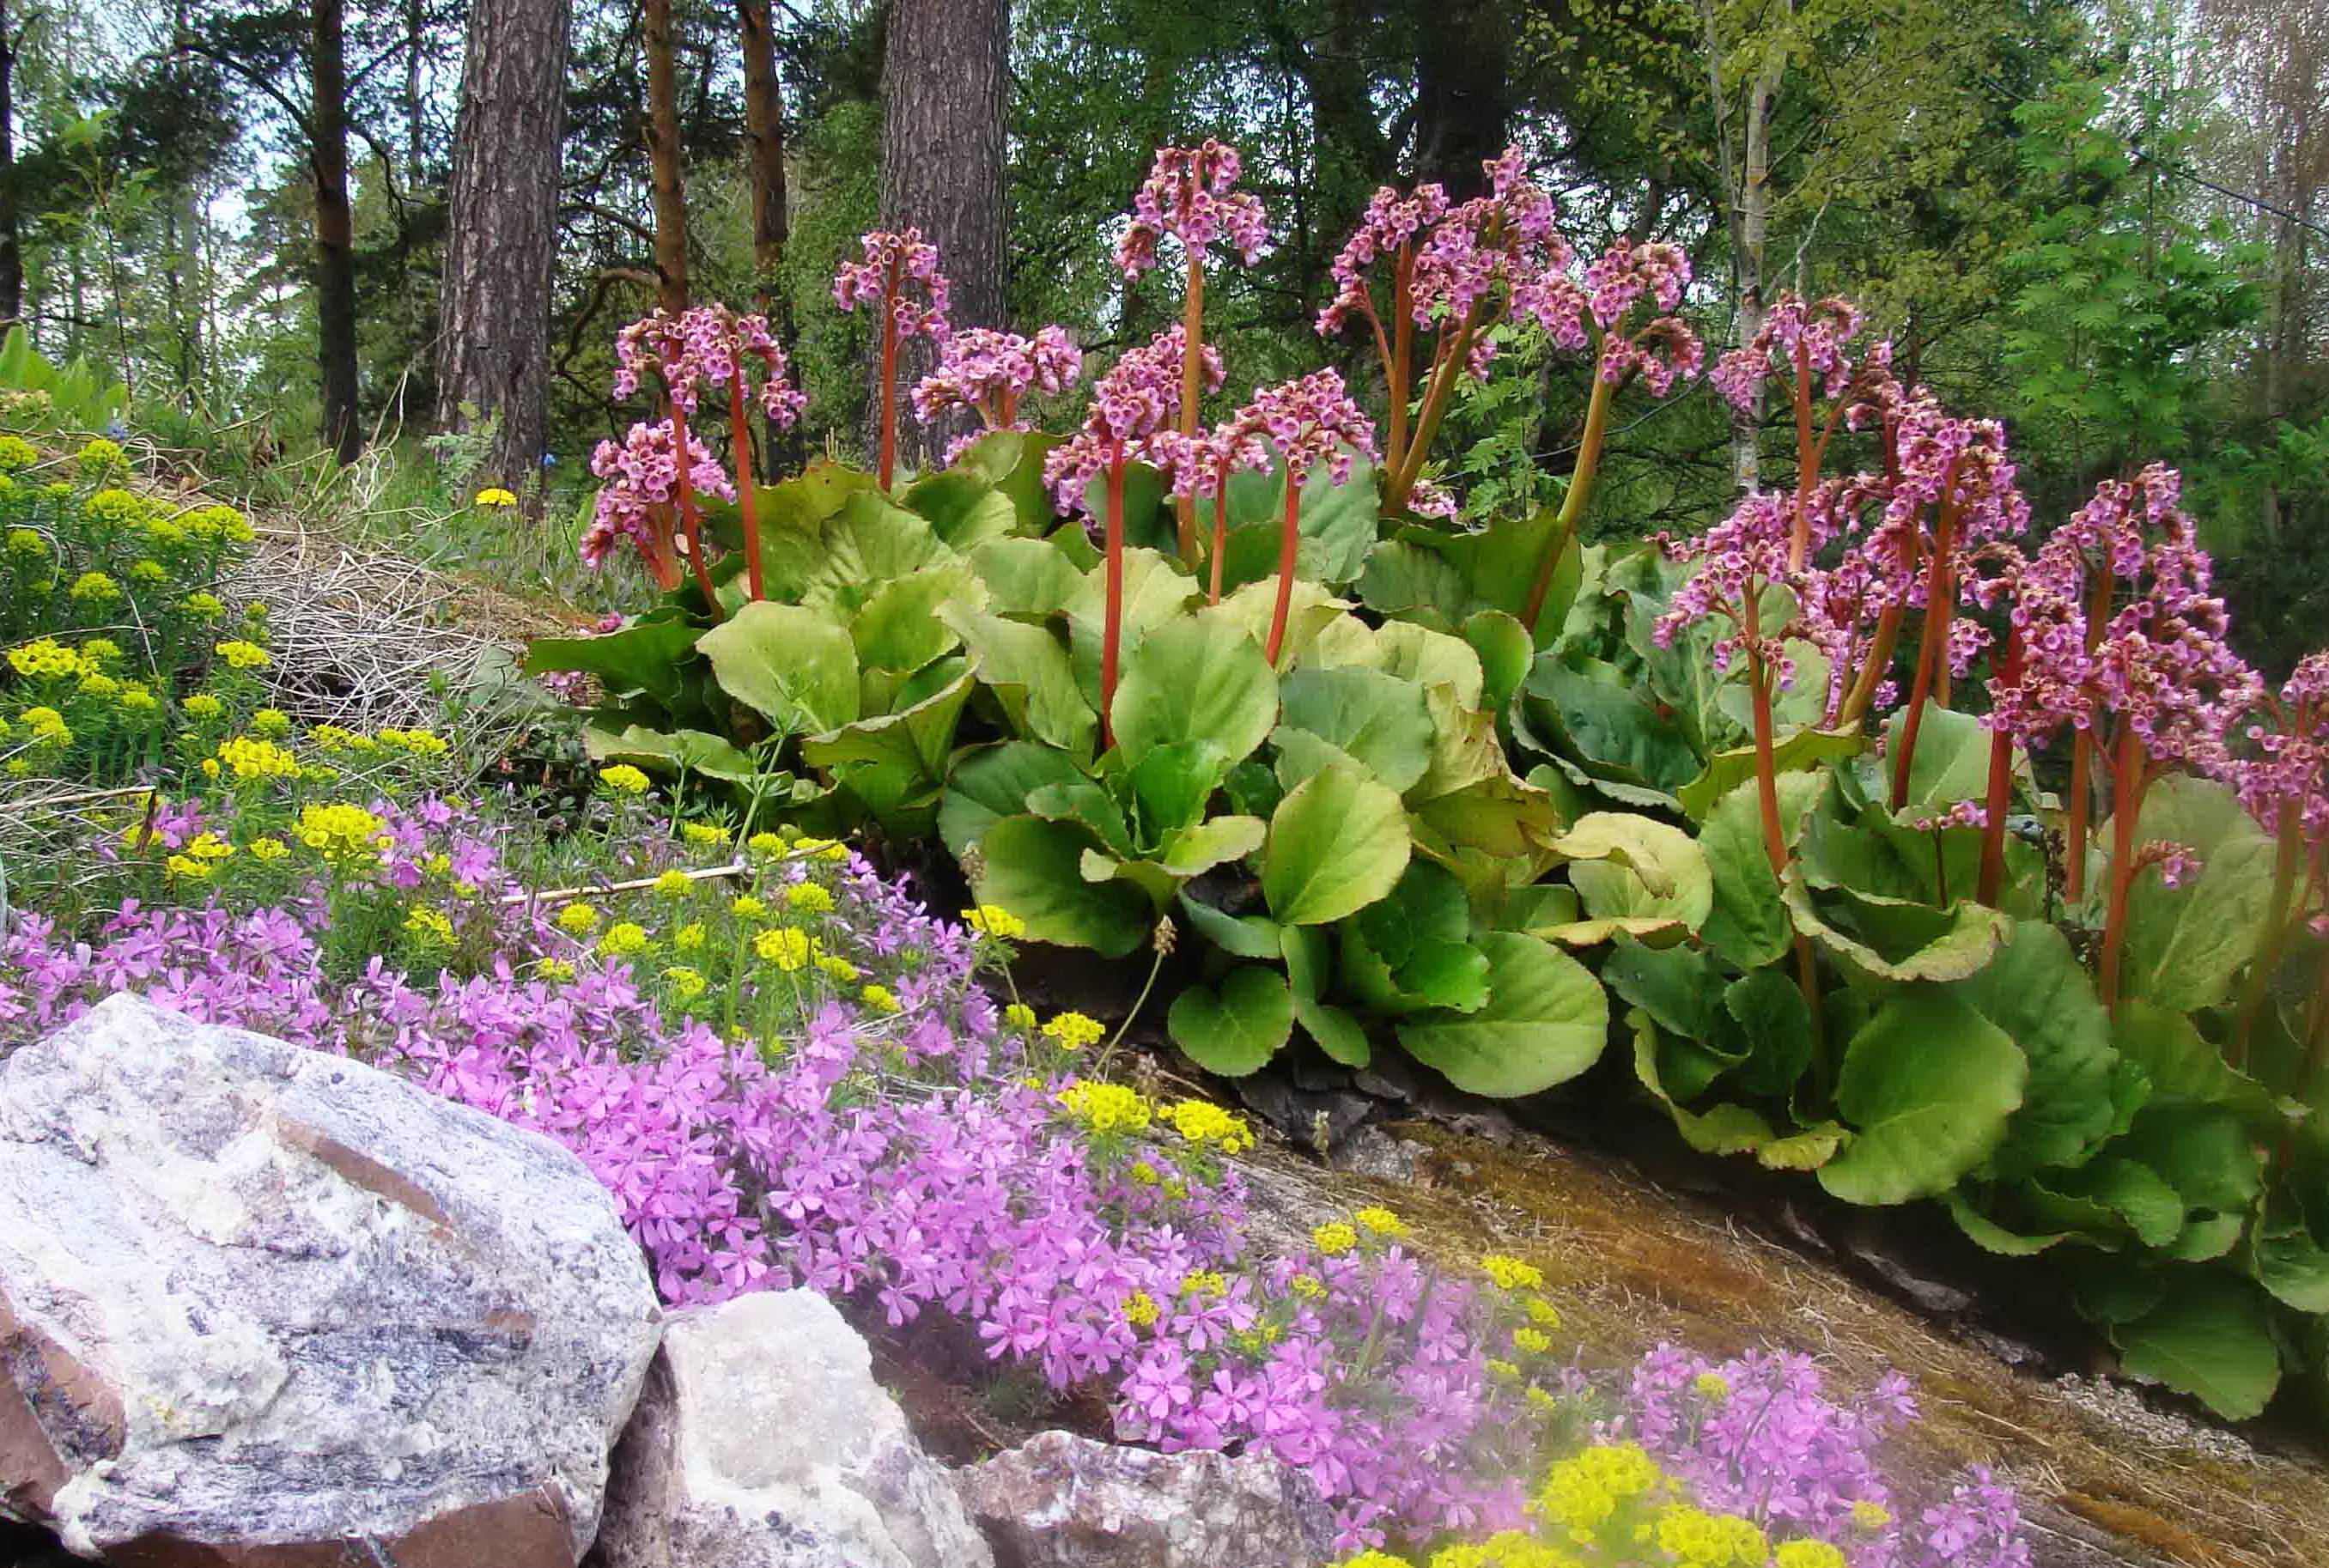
(1034, 869)
(1380, 721)
(1236, 1029)
(2037, 991)
(1927, 1086)
(1197, 678)
(2210, 1336)
(1546, 1021)
(791, 664)
(1336, 843)
(988, 786)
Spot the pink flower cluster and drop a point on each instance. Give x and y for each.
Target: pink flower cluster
(1504, 240)
(641, 473)
(986, 372)
(709, 346)
(2287, 768)
(1310, 421)
(1757, 1435)
(1389, 227)
(1187, 196)
(892, 263)
(2163, 663)
(1738, 560)
(1133, 409)
(1797, 336)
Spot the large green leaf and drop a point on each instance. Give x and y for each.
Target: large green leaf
(1630, 866)
(1336, 843)
(1749, 922)
(1612, 720)
(1427, 905)
(2184, 944)
(645, 656)
(1899, 938)
(1801, 751)
(1189, 851)
(2209, 1336)
(1156, 590)
(988, 786)
(1312, 613)
(1034, 869)
(1334, 529)
(963, 505)
(1428, 658)
(1722, 1129)
(1507, 655)
(895, 764)
(1026, 576)
(1547, 1020)
(1247, 936)
(791, 664)
(1952, 760)
(1030, 676)
(1236, 1029)
(871, 542)
(693, 752)
(2180, 1068)
(1927, 1086)
(2037, 991)
(1378, 721)
(1198, 679)
(900, 629)
(1171, 787)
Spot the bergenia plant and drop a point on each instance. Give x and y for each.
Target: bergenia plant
(896, 269)
(1803, 345)
(1743, 571)
(1663, 351)
(986, 372)
(713, 347)
(1188, 195)
(1308, 421)
(1130, 419)
(2284, 784)
(1457, 271)
(1203, 473)
(2160, 686)
(648, 499)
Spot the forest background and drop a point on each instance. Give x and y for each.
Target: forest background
(377, 250)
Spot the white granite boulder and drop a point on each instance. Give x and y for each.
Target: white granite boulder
(1062, 1501)
(263, 1307)
(763, 1441)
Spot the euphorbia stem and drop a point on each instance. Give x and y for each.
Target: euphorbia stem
(746, 501)
(889, 378)
(1572, 506)
(2126, 806)
(1193, 337)
(2082, 759)
(689, 526)
(2276, 928)
(1940, 600)
(1112, 628)
(2000, 790)
(1290, 536)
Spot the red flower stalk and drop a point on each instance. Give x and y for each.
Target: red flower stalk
(1308, 421)
(892, 265)
(1187, 196)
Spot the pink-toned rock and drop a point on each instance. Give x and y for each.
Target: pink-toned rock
(1063, 1501)
(262, 1308)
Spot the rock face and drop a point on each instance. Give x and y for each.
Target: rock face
(763, 1441)
(268, 1308)
(1064, 1501)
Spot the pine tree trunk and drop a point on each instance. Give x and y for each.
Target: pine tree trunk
(944, 81)
(11, 257)
(663, 159)
(336, 260)
(764, 136)
(492, 341)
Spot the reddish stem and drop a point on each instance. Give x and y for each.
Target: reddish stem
(2000, 790)
(2082, 758)
(1941, 602)
(1192, 334)
(747, 493)
(1290, 536)
(1775, 835)
(2126, 808)
(1220, 528)
(688, 522)
(889, 377)
(2276, 927)
(1112, 630)
(1799, 541)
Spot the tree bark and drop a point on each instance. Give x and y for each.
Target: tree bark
(1463, 110)
(493, 340)
(1746, 213)
(664, 160)
(335, 260)
(764, 138)
(944, 79)
(12, 256)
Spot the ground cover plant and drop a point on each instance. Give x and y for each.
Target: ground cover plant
(1936, 849)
